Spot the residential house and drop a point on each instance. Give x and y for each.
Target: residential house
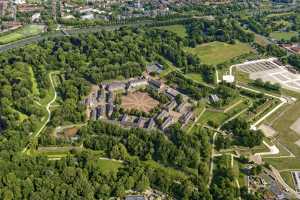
(171, 105)
(101, 112)
(151, 123)
(186, 117)
(162, 115)
(36, 17)
(124, 119)
(110, 97)
(116, 87)
(101, 95)
(110, 109)
(214, 98)
(137, 83)
(172, 93)
(157, 84)
(180, 107)
(87, 16)
(93, 114)
(154, 67)
(167, 123)
(141, 122)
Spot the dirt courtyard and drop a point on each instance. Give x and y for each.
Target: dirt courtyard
(139, 101)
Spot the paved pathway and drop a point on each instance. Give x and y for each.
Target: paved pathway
(48, 111)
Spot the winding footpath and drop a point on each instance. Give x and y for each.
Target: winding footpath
(48, 111)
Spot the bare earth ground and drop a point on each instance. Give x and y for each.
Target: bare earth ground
(139, 101)
(296, 126)
(267, 130)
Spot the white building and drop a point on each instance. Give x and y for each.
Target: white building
(88, 16)
(228, 78)
(36, 17)
(137, 83)
(18, 2)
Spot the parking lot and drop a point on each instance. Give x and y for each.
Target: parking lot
(273, 71)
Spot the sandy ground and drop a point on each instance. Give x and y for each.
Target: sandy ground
(139, 101)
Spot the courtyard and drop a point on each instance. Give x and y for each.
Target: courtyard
(139, 101)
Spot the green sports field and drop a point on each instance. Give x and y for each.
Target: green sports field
(283, 35)
(24, 32)
(219, 52)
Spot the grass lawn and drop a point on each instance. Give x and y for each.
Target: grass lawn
(219, 52)
(287, 176)
(178, 29)
(261, 40)
(216, 117)
(196, 77)
(280, 14)
(26, 31)
(176, 174)
(109, 165)
(35, 89)
(283, 35)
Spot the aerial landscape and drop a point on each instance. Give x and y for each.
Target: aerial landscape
(150, 99)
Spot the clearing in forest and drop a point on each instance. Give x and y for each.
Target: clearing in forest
(219, 52)
(178, 29)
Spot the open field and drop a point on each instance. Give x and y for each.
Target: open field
(287, 176)
(195, 76)
(109, 165)
(217, 117)
(219, 52)
(177, 174)
(283, 35)
(35, 89)
(261, 40)
(178, 29)
(26, 31)
(139, 101)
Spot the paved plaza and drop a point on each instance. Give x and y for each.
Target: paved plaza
(273, 71)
